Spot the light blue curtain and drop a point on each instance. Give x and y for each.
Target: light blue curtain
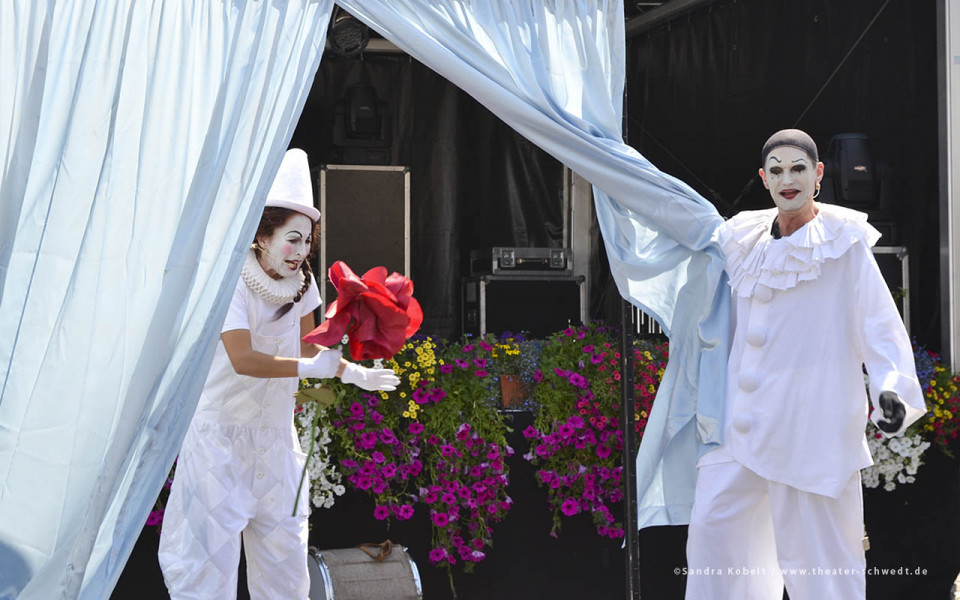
(137, 143)
(554, 71)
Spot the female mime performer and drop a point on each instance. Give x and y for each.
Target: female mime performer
(239, 467)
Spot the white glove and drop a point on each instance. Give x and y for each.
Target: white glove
(370, 379)
(322, 366)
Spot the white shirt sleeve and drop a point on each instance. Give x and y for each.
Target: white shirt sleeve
(883, 341)
(237, 317)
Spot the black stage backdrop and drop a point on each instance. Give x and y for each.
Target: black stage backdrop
(706, 90)
(475, 183)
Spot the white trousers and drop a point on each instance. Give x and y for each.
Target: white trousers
(224, 488)
(748, 537)
(200, 557)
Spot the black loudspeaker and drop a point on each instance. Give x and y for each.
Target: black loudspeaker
(539, 305)
(364, 220)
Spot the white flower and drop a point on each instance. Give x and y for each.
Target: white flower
(324, 476)
(895, 460)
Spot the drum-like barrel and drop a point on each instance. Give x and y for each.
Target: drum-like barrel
(351, 574)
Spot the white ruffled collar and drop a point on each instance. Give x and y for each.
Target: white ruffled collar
(754, 259)
(275, 291)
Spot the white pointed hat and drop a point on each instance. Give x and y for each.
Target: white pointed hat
(292, 187)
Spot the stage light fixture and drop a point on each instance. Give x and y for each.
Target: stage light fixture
(362, 125)
(347, 36)
(851, 169)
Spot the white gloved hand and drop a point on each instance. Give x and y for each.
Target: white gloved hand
(324, 365)
(370, 379)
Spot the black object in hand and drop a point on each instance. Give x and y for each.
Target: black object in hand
(893, 412)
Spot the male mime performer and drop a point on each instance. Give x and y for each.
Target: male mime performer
(809, 307)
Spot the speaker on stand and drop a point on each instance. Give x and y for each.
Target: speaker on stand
(364, 220)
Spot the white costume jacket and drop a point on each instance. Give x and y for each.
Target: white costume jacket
(240, 462)
(807, 311)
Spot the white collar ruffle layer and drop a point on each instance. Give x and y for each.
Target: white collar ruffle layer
(275, 291)
(753, 258)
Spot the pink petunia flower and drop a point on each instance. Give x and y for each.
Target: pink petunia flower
(570, 507)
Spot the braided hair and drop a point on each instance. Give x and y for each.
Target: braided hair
(274, 217)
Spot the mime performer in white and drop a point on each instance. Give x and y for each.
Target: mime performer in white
(239, 467)
(809, 308)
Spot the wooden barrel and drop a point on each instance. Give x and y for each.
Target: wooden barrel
(353, 574)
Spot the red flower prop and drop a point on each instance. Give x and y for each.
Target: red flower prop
(378, 312)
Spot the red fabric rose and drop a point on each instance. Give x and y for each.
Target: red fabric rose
(377, 311)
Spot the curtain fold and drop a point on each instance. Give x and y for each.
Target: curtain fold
(138, 143)
(554, 71)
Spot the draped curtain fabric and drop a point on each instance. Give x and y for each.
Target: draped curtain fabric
(554, 71)
(138, 142)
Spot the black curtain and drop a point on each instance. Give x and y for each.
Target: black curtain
(475, 183)
(706, 90)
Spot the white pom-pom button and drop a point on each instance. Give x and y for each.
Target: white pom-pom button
(756, 337)
(749, 381)
(742, 423)
(763, 294)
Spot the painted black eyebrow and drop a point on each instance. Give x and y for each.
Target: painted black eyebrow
(800, 160)
(775, 158)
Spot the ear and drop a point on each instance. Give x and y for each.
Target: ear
(763, 177)
(819, 172)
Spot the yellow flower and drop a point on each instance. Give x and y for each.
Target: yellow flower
(406, 413)
(403, 394)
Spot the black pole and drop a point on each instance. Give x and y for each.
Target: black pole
(628, 419)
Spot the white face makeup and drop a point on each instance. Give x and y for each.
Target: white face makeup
(791, 177)
(282, 253)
